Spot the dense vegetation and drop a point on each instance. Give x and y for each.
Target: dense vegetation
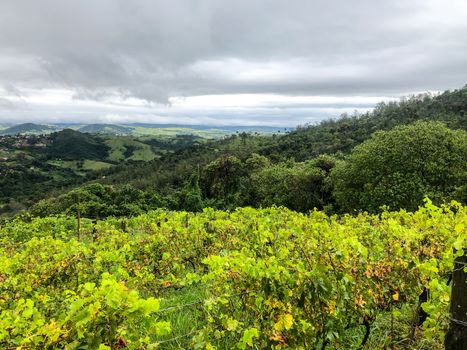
(35, 166)
(73, 145)
(268, 278)
(343, 134)
(397, 168)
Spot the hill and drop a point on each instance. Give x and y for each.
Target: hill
(73, 145)
(141, 129)
(28, 128)
(33, 166)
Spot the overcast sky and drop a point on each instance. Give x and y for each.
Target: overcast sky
(237, 62)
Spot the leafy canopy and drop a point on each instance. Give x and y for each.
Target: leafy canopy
(400, 167)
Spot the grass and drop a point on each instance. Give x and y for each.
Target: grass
(389, 332)
(88, 165)
(144, 153)
(95, 165)
(63, 163)
(118, 146)
(187, 317)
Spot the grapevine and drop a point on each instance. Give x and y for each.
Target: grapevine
(265, 278)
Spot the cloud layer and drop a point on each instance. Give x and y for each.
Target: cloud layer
(224, 62)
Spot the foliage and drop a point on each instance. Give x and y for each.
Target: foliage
(98, 201)
(348, 131)
(36, 166)
(402, 166)
(298, 186)
(337, 138)
(271, 278)
(69, 144)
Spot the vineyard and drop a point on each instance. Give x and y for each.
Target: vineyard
(246, 279)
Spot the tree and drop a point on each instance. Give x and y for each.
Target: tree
(191, 195)
(401, 167)
(222, 180)
(298, 186)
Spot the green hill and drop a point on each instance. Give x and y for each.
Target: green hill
(73, 145)
(28, 128)
(126, 147)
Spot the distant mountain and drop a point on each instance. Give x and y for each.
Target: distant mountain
(70, 144)
(28, 128)
(257, 128)
(141, 129)
(227, 128)
(111, 129)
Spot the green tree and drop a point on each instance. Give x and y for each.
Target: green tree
(298, 186)
(191, 195)
(222, 180)
(400, 167)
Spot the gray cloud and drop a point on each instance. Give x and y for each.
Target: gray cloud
(155, 50)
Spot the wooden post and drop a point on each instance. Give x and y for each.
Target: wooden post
(456, 337)
(79, 224)
(94, 230)
(123, 225)
(78, 215)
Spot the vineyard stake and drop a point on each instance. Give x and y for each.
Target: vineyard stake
(78, 229)
(456, 337)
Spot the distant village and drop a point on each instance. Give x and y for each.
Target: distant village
(12, 143)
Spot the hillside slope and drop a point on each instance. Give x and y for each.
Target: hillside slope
(342, 134)
(69, 144)
(27, 128)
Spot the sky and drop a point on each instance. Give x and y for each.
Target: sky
(223, 62)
